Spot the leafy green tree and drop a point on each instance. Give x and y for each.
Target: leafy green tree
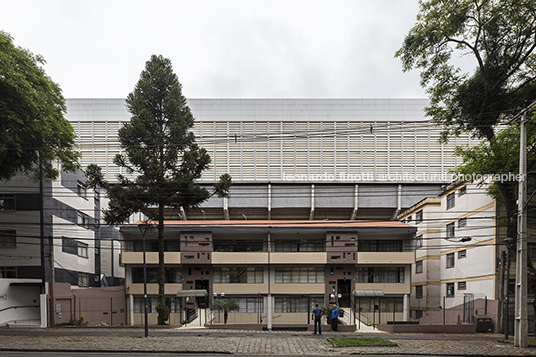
(161, 153)
(226, 306)
(499, 36)
(33, 128)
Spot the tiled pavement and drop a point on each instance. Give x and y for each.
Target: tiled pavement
(251, 342)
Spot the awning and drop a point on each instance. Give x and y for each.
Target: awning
(191, 293)
(368, 293)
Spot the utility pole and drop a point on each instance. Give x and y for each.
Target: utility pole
(521, 325)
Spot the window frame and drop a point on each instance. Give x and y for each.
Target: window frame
(450, 261)
(8, 238)
(419, 267)
(82, 219)
(451, 200)
(462, 222)
(81, 189)
(450, 230)
(8, 202)
(83, 280)
(450, 290)
(462, 254)
(418, 217)
(419, 291)
(82, 250)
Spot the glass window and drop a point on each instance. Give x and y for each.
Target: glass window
(238, 275)
(419, 241)
(450, 260)
(7, 202)
(418, 217)
(462, 191)
(82, 249)
(419, 267)
(418, 291)
(450, 289)
(83, 220)
(8, 239)
(450, 230)
(379, 275)
(462, 285)
(462, 254)
(81, 189)
(451, 200)
(299, 275)
(380, 245)
(8, 272)
(462, 222)
(83, 279)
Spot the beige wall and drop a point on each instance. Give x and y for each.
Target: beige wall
(298, 258)
(388, 288)
(386, 258)
(150, 257)
(234, 289)
(152, 289)
(297, 288)
(239, 258)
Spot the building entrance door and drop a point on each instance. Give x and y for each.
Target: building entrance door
(201, 300)
(344, 287)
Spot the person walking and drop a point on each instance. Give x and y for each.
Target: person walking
(317, 316)
(334, 318)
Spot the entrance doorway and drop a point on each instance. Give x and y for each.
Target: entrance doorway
(344, 288)
(201, 300)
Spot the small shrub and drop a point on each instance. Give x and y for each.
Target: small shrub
(102, 324)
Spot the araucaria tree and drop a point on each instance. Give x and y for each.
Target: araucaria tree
(500, 37)
(33, 129)
(159, 148)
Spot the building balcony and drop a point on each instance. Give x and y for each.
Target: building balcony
(151, 257)
(152, 288)
(298, 258)
(234, 289)
(239, 258)
(385, 257)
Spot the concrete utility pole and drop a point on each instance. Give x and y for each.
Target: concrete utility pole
(521, 325)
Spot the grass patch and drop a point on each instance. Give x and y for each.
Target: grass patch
(360, 341)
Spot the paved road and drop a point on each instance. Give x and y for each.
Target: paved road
(175, 342)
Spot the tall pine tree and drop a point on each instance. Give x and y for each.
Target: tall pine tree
(160, 149)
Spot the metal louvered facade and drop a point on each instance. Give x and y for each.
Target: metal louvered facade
(261, 140)
(296, 158)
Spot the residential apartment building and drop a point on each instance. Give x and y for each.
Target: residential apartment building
(462, 245)
(51, 231)
(275, 270)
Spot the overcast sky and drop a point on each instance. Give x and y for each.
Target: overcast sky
(250, 48)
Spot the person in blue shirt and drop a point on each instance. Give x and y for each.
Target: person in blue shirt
(317, 316)
(334, 318)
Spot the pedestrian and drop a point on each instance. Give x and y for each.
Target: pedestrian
(334, 318)
(317, 316)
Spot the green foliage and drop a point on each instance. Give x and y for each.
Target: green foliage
(159, 147)
(226, 306)
(498, 36)
(360, 341)
(78, 322)
(163, 310)
(32, 122)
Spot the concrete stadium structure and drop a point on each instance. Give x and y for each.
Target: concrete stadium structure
(311, 159)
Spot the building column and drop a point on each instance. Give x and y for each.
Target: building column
(406, 307)
(43, 309)
(269, 317)
(131, 309)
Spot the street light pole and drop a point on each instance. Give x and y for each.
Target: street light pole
(144, 227)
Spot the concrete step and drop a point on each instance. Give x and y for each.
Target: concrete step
(24, 324)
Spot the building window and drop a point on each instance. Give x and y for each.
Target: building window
(297, 275)
(82, 250)
(462, 285)
(462, 191)
(451, 200)
(418, 241)
(450, 289)
(81, 189)
(296, 304)
(7, 202)
(418, 291)
(299, 245)
(418, 314)
(450, 260)
(379, 275)
(246, 304)
(171, 275)
(83, 279)
(238, 275)
(8, 239)
(462, 222)
(419, 267)
(8, 272)
(83, 220)
(462, 254)
(418, 217)
(450, 230)
(380, 245)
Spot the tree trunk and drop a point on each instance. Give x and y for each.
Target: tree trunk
(225, 315)
(161, 272)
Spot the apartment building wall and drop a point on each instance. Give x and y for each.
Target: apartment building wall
(272, 266)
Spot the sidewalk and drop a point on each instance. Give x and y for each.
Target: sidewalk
(248, 342)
